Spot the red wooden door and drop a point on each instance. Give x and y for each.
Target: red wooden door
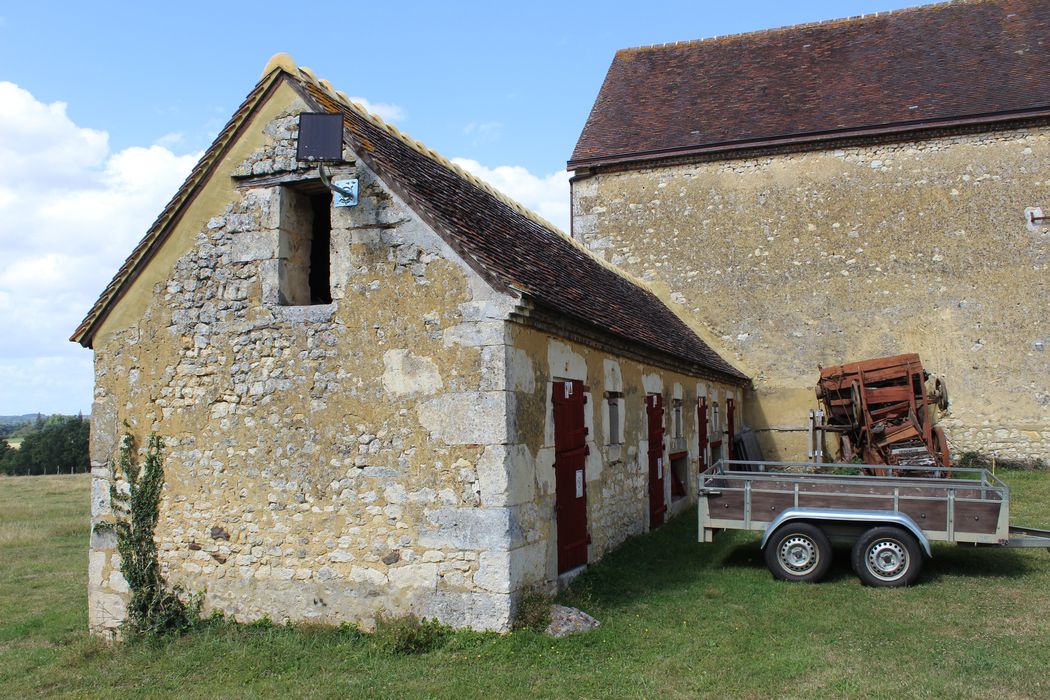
(654, 409)
(701, 424)
(570, 482)
(730, 426)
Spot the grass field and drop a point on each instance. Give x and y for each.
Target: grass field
(15, 442)
(679, 620)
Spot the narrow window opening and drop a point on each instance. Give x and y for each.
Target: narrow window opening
(305, 247)
(679, 475)
(615, 399)
(321, 250)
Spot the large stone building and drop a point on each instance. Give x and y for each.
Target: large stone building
(422, 403)
(849, 189)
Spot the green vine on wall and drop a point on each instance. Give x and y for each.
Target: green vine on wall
(154, 608)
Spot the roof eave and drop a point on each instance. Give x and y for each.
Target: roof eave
(920, 127)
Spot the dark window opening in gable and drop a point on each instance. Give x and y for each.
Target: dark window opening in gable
(321, 250)
(304, 267)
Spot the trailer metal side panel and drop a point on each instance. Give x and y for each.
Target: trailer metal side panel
(971, 506)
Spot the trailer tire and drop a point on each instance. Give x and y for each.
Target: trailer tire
(799, 552)
(887, 557)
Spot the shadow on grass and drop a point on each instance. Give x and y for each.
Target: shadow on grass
(967, 560)
(947, 561)
(671, 558)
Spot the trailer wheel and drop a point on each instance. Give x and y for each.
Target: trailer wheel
(887, 557)
(798, 552)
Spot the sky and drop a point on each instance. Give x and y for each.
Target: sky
(105, 107)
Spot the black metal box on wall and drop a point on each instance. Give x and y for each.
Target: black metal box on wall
(320, 137)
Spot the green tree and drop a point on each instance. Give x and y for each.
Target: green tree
(7, 456)
(60, 445)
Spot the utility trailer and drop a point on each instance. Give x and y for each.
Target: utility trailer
(800, 507)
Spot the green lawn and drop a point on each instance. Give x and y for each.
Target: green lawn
(15, 442)
(679, 620)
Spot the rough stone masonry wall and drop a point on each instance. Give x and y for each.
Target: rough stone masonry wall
(616, 474)
(323, 462)
(831, 256)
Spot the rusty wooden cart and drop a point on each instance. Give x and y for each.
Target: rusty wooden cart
(800, 507)
(884, 413)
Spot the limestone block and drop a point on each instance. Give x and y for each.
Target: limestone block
(96, 567)
(395, 493)
(315, 314)
(414, 576)
(368, 576)
(103, 429)
(653, 383)
(469, 528)
(505, 572)
(100, 498)
(106, 611)
(476, 334)
(545, 469)
(102, 540)
(269, 275)
(505, 474)
(405, 373)
(117, 582)
(254, 245)
(521, 376)
(483, 310)
(564, 362)
(493, 368)
(481, 611)
(467, 418)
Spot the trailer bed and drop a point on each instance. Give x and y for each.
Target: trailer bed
(970, 506)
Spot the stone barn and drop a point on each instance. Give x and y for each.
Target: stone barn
(826, 193)
(423, 403)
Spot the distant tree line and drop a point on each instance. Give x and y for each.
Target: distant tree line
(53, 445)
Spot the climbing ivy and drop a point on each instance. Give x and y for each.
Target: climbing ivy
(154, 608)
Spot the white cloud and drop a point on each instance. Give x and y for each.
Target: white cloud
(387, 112)
(547, 195)
(70, 212)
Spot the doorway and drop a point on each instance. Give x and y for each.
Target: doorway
(570, 482)
(654, 410)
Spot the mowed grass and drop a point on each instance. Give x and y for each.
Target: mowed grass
(15, 442)
(679, 620)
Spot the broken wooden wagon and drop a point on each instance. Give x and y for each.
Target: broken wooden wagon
(884, 413)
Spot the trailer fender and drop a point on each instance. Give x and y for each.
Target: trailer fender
(860, 517)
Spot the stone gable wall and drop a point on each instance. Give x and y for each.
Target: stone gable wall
(323, 462)
(831, 256)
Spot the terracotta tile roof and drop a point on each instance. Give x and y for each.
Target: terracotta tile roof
(945, 64)
(510, 246)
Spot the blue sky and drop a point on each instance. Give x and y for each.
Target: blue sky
(105, 106)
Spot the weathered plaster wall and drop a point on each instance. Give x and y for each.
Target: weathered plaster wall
(323, 462)
(827, 257)
(616, 475)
